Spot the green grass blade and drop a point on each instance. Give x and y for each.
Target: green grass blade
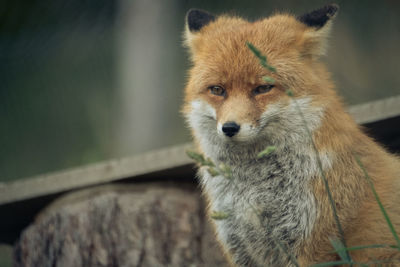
(268, 79)
(212, 171)
(219, 215)
(388, 221)
(324, 178)
(262, 58)
(340, 249)
(257, 53)
(380, 262)
(330, 263)
(268, 150)
(360, 248)
(195, 156)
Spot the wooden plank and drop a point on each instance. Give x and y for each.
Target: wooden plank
(94, 174)
(376, 110)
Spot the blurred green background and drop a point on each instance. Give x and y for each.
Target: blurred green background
(85, 81)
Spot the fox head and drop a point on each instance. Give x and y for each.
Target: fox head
(226, 98)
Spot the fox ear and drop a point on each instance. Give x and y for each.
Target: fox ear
(319, 17)
(319, 22)
(196, 19)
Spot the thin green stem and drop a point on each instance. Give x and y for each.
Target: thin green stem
(263, 61)
(371, 184)
(365, 247)
(324, 179)
(330, 263)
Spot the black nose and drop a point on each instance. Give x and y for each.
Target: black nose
(230, 128)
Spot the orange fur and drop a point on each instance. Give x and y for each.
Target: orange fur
(220, 57)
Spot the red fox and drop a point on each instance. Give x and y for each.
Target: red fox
(234, 114)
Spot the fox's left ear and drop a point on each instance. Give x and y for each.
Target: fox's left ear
(196, 19)
(319, 23)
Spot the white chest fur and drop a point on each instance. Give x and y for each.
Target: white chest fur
(268, 200)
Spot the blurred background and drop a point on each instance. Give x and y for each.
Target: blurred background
(84, 81)
(88, 80)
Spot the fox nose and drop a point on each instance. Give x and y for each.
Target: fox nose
(230, 128)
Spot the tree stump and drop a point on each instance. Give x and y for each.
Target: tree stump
(122, 225)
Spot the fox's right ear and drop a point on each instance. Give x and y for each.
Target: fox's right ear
(319, 24)
(196, 19)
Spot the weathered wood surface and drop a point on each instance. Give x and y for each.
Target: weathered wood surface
(377, 110)
(95, 174)
(122, 225)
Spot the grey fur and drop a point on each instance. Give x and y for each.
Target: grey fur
(268, 200)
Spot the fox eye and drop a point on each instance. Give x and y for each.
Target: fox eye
(217, 90)
(262, 89)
